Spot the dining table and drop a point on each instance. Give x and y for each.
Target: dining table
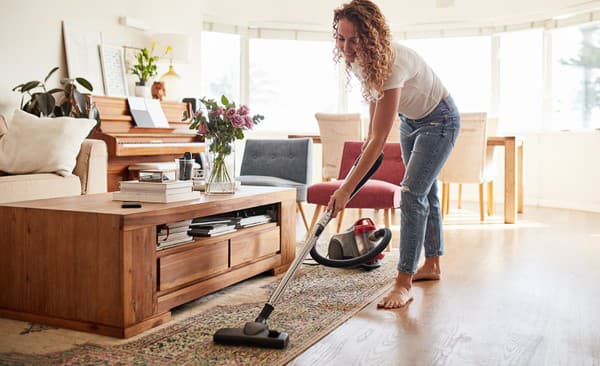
(513, 171)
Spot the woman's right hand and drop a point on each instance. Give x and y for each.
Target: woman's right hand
(338, 201)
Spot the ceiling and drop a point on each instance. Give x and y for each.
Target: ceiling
(402, 15)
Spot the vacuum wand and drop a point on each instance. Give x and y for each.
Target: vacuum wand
(257, 333)
(315, 233)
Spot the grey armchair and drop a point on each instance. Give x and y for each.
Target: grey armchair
(279, 163)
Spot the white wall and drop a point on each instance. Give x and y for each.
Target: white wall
(32, 43)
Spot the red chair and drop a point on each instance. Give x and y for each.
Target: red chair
(382, 191)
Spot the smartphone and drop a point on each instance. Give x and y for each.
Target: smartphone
(131, 204)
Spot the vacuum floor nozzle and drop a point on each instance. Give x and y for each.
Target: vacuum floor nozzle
(254, 334)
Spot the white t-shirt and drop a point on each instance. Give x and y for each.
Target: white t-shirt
(422, 90)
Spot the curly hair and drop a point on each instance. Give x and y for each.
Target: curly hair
(375, 54)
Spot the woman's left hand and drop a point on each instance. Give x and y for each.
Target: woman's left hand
(338, 201)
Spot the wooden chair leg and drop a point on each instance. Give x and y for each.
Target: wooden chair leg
(340, 220)
(301, 210)
(491, 202)
(360, 213)
(387, 223)
(445, 198)
(481, 214)
(459, 196)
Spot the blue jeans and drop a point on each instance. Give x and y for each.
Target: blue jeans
(426, 144)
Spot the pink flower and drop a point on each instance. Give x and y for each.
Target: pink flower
(197, 114)
(248, 121)
(237, 121)
(243, 110)
(219, 111)
(230, 113)
(202, 129)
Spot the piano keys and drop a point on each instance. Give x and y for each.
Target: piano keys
(128, 144)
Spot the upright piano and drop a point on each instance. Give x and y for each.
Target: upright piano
(128, 144)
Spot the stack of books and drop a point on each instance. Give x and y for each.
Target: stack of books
(168, 191)
(243, 222)
(211, 226)
(174, 233)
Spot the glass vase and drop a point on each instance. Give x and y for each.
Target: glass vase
(221, 157)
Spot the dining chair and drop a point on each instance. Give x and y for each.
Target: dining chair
(469, 162)
(334, 130)
(382, 191)
(279, 163)
(490, 166)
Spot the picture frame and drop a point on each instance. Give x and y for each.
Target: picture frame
(113, 70)
(82, 56)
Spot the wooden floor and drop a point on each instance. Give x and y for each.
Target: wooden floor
(522, 294)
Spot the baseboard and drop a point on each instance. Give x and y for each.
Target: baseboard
(570, 205)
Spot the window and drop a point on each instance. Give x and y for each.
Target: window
(220, 65)
(464, 66)
(521, 82)
(576, 77)
(290, 81)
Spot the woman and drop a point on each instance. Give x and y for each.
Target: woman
(396, 80)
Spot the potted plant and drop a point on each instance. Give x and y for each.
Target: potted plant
(145, 68)
(42, 102)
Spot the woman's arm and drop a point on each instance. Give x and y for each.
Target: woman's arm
(382, 119)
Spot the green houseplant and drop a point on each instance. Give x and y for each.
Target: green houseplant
(38, 100)
(145, 68)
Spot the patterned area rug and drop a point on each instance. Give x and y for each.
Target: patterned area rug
(318, 300)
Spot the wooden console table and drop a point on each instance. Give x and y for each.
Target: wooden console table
(87, 264)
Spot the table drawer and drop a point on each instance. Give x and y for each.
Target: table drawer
(245, 248)
(183, 267)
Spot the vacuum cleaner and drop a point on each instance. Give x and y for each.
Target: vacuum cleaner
(343, 252)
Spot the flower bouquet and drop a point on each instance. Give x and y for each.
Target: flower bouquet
(222, 124)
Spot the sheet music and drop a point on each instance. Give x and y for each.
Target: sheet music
(147, 112)
(156, 113)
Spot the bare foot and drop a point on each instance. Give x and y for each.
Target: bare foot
(427, 273)
(396, 298)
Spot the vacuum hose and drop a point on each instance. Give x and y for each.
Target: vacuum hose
(383, 237)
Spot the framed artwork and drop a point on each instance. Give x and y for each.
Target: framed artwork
(113, 70)
(81, 49)
(130, 57)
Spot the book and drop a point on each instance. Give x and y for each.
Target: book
(254, 220)
(178, 223)
(210, 229)
(154, 197)
(212, 233)
(172, 236)
(242, 222)
(209, 221)
(167, 230)
(169, 244)
(169, 191)
(155, 187)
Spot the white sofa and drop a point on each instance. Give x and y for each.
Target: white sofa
(89, 176)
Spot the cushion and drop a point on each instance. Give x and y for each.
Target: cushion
(42, 145)
(264, 180)
(374, 194)
(27, 187)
